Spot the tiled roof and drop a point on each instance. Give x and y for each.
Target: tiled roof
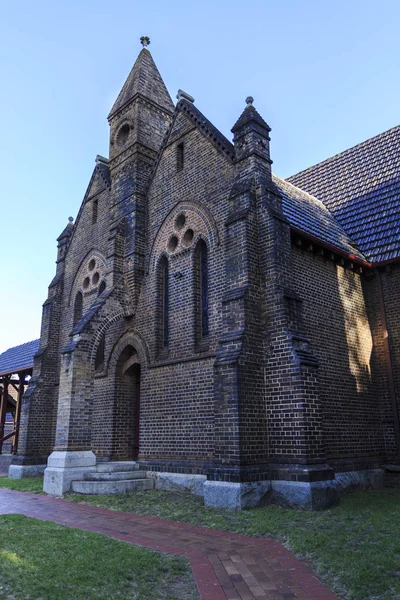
(18, 358)
(304, 212)
(310, 215)
(361, 188)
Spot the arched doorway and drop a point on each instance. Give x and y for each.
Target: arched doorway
(127, 406)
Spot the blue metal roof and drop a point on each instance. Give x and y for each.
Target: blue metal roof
(18, 358)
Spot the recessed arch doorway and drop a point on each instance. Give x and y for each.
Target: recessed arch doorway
(126, 428)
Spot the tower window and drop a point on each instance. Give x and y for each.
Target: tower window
(123, 134)
(179, 157)
(164, 302)
(78, 305)
(95, 208)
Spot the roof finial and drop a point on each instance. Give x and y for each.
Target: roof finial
(249, 100)
(71, 219)
(145, 40)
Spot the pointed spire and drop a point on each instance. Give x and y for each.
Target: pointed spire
(67, 232)
(249, 115)
(251, 135)
(144, 79)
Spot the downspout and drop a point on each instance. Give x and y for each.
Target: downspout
(389, 365)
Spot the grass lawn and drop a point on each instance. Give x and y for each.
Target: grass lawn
(45, 561)
(354, 547)
(28, 484)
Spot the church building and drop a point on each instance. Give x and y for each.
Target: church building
(213, 326)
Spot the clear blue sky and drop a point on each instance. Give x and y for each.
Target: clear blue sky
(324, 75)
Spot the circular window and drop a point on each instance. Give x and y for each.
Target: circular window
(173, 243)
(95, 278)
(86, 283)
(92, 264)
(188, 237)
(123, 134)
(180, 221)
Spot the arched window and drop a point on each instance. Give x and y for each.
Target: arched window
(164, 302)
(99, 360)
(201, 290)
(78, 305)
(102, 287)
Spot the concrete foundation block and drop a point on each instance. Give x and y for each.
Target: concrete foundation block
(21, 471)
(353, 481)
(178, 481)
(69, 460)
(65, 467)
(57, 481)
(223, 494)
(316, 495)
(112, 487)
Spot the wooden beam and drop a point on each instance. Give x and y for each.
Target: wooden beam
(14, 385)
(21, 390)
(3, 409)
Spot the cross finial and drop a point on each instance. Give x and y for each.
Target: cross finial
(249, 100)
(145, 40)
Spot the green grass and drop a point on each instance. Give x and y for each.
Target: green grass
(28, 484)
(44, 561)
(354, 547)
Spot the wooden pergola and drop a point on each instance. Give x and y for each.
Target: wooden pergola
(16, 365)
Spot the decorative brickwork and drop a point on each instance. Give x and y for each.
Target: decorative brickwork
(214, 335)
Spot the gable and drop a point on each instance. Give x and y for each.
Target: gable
(192, 129)
(99, 183)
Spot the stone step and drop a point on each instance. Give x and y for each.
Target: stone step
(109, 467)
(112, 487)
(114, 475)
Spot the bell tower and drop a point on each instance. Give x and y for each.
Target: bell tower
(138, 120)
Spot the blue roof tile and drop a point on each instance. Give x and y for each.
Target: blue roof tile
(18, 358)
(310, 215)
(361, 188)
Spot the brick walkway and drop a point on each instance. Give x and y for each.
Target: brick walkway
(225, 565)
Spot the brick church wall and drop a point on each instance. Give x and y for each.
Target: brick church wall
(390, 279)
(335, 319)
(88, 236)
(177, 406)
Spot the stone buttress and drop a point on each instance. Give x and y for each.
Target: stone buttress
(267, 409)
(39, 406)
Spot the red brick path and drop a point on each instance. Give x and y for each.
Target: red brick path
(225, 565)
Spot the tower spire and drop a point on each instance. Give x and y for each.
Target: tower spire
(144, 80)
